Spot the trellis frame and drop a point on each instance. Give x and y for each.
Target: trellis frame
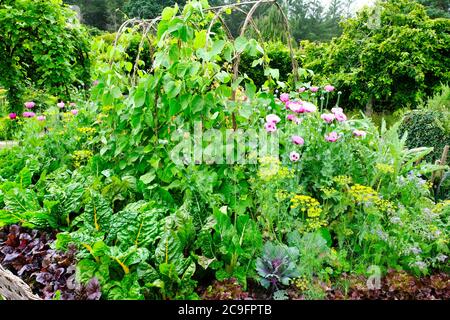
(147, 25)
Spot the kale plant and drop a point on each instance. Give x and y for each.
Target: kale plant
(277, 266)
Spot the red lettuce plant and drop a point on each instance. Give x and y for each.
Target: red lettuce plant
(50, 274)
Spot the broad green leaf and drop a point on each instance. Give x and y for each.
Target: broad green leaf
(137, 225)
(139, 97)
(21, 200)
(200, 39)
(240, 44)
(172, 88)
(148, 177)
(24, 178)
(217, 48)
(168, 13)
(97, 213)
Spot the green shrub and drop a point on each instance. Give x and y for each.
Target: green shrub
(441, 103)
(280, 59)
(424, 130)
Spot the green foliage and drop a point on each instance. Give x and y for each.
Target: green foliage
(437, 8)
(277, 265)
(279, 58)
(388, 57)
(116, 179)
(424, 128)
(101, 14)
(42, 45)
(148, 9)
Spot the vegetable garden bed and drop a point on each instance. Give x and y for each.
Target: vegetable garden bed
(182, 179)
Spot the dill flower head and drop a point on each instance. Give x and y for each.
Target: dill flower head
(441, 206)
(328, 192)
(342, 180)
(307, 204)
(315, 224)
(385, 205)
(281, 195)
(81, 156)
(302, 283)
(384, 168)
(363, 193)
(270, 169)
(87, 130)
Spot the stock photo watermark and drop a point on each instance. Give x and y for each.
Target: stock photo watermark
(214, 146)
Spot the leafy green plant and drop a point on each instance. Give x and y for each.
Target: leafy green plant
(43, 51)
(424, 130)
(277, 265)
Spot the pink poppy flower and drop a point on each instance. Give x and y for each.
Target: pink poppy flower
(29, 104)
(270, 127)
(309, 107)
(74, 112)
(359, 133)
(95, 82)
(61, 105)
(28, 114)
(273, 118)
(329, 88)
(41, 118)
(284, 97)
(72, 104)
(314, 89)
(12, 116)
(337, 110)
(290, 117)
(328, 117)
(297, 107)
(340, 116)
(298, 140)
(294, 156)
(302, 89)
(332, 137)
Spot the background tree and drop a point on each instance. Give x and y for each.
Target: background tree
(149, 9)
(388, 57)
(437, 8)
(101, 14)
(309, 20)
(42, 46)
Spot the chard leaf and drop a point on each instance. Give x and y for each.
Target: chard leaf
(21, 200)
(137, 225)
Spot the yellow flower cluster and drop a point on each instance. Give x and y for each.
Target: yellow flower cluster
(308, 204)
(441, 206)
(384, 168)
(315, 224)
(67, 116)
(87, 130)
(328, 192)
(107, 108)
(385, 205)
(281, 195)
(301, 283)
(80, 156)
(429, 185)
(270, 168)
(342, 180)
(362, 193)
(100, 117)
